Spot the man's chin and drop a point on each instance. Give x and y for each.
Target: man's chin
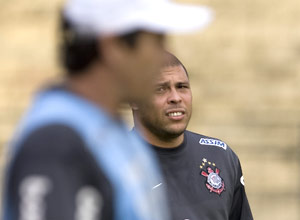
(175, 132)
(176, 128)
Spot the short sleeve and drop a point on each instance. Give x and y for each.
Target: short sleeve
(240, 209)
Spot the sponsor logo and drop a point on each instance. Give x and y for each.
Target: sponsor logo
(214, 182)
(213, 142)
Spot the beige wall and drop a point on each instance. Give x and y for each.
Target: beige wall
(245, 73)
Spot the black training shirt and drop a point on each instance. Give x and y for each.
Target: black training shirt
(203, 180)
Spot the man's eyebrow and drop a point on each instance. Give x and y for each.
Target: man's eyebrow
(162, 84)
(183, 82)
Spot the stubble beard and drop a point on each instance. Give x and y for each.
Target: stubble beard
(162, 132)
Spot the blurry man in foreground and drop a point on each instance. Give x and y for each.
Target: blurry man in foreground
(202, 175)
(72, 158)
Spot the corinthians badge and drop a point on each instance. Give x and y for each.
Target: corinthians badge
(214, 182)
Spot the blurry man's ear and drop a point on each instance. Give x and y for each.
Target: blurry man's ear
(134, 106)
(110, 50)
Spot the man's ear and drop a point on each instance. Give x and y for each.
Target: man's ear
(134, 106)
(110, 51)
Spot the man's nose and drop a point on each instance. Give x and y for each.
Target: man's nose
(174, 96)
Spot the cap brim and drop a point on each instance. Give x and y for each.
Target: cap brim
(170, 18)
(177, 18)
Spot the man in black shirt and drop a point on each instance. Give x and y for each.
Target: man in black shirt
(202, 175)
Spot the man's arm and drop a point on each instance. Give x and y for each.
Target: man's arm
(240, 209)
(54, 177)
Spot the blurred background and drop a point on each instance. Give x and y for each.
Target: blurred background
(245, 75)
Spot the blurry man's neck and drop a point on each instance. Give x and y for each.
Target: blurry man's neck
(97, 86)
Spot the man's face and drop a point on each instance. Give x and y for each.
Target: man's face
(140, 65)
(168, 111)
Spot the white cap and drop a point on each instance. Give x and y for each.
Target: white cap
(117, 17)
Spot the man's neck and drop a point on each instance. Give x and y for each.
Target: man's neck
(160, 142)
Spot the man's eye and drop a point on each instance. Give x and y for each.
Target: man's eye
(160, 89)
(183, 87)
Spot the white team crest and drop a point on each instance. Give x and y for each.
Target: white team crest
(214, 182)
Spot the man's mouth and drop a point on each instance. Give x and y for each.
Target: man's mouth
(176, 114)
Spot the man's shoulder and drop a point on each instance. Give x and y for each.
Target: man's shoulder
(204, 140)
(209, 146)
(51, 140)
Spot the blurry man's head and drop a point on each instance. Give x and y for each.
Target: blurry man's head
(167, 112)
(124, 36)
(131, 59)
